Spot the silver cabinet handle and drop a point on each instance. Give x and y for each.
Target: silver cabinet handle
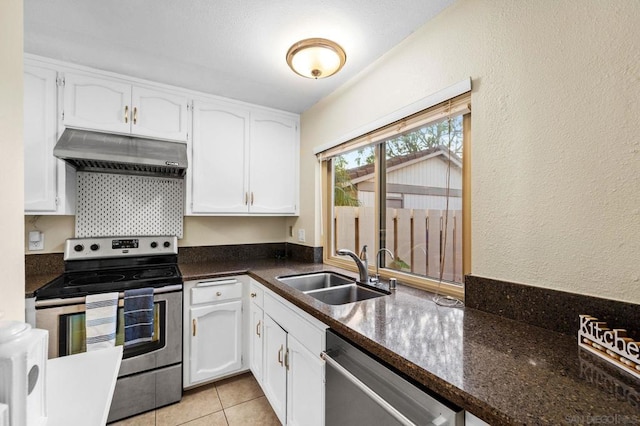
(193, 322)
(280, 355)
(286, 359)
(367, 390)
(126, 113)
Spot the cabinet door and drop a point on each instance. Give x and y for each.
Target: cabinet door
(274, 164)
(96, 104)
(40, 166)
(305, 385)
(159, 115)
(275, 373)
(215, 343)
(218, 171)
(257, 332)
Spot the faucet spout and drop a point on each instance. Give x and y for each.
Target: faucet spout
(361, 262)
(382, 250)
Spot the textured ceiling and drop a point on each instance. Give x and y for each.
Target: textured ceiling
(231, 48)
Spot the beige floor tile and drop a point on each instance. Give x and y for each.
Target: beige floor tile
(254, 412)
(215, 419)
(145, 419)
(237, 390)
(195, 403)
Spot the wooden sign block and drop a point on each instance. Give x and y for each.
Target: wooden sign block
(614, 346)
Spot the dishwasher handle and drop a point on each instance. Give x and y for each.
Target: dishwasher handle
(367, 390)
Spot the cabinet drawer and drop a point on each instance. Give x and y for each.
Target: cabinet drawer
(256, 293)
(215, 290)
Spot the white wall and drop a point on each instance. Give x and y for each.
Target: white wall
(11, 172)
(198, 231)
(555, 146)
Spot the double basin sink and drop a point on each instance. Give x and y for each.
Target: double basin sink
(331, 288)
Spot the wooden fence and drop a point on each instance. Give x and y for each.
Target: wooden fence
(416, 238)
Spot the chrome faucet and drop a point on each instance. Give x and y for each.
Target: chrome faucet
(377, 276)
(361, 262)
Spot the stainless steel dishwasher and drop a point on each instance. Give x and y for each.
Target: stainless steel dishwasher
(362, 391)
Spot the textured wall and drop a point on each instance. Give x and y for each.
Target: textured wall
(11, 146)
(555, 147)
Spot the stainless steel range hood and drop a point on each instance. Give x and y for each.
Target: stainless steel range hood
(109, 153)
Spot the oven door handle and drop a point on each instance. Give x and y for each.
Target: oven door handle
(81, 300)
(367, 390)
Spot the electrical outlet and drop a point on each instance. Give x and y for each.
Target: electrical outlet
(301, 235)
(36, 241)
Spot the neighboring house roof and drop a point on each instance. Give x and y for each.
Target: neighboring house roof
(361, 173)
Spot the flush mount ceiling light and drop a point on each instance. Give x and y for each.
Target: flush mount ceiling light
(316, 58)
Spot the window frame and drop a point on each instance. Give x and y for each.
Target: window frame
(421, 282)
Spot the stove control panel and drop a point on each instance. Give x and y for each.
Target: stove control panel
(110, 247)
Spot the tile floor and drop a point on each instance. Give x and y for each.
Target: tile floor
(235, 401)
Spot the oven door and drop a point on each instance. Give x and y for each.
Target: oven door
(66, 326)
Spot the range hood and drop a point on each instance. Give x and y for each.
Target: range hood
(109, 153)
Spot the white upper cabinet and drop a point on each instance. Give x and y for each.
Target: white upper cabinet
(39, 139)
(243, 158)
(218, 168)
(47, 181)
(106, 105)
(244, 161)
(159, 115)
(274, 163)
(96, 104)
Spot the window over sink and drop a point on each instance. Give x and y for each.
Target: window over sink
(404, 188)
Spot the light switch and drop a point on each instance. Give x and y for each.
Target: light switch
(301, 235)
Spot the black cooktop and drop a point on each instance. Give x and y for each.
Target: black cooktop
(103, 280)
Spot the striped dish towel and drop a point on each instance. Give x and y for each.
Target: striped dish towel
(138, 316)
(101, 314)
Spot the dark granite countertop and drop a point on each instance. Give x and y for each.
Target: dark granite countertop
(35, 281)
(503, 371)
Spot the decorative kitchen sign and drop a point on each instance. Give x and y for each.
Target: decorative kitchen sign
(112, 204)
(612, 345)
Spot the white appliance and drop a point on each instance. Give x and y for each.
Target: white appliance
(23, 361)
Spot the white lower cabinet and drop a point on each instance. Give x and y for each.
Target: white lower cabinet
(305, 385)
(212, 330)
(215, 340)
(257, 336)
(275, 373)
(291, 372)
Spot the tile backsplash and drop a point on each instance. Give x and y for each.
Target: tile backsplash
(114, 204)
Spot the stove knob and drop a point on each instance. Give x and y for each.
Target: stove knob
(167, 244)
(94, 247)
(78, 247)
(154, 244)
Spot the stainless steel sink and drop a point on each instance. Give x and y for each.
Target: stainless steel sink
(315, 281)
(331, 288)
(344, 294)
